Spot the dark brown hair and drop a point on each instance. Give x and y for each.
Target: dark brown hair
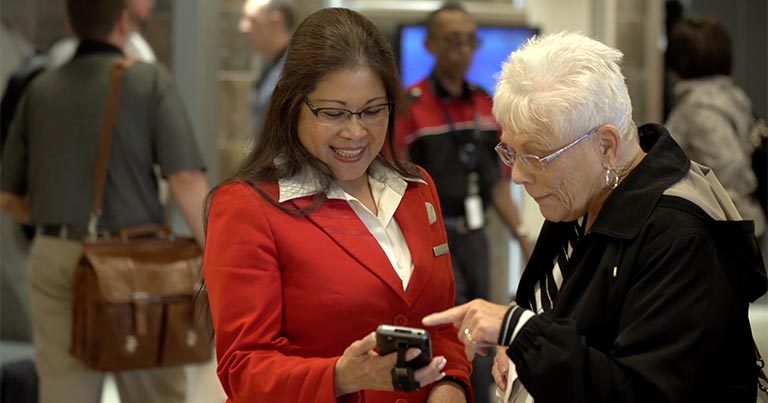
(327, 41)
(94, 19)
(699, 47)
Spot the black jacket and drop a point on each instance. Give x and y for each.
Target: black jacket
(653, 307)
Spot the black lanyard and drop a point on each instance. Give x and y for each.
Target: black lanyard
(468, 152)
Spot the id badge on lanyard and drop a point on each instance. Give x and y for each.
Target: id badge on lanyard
(473, 203)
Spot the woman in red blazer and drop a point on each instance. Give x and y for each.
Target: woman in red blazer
(321, 237)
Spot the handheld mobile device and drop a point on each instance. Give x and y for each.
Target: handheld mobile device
(390, 338)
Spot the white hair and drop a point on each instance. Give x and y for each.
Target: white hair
(563, 85)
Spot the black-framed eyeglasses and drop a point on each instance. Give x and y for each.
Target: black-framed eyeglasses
(474, 42)
(509, 157)
(370, 116)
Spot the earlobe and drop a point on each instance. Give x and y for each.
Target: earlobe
(428, 45)
(610, 143)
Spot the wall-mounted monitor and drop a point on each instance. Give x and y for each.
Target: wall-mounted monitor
(497, 43)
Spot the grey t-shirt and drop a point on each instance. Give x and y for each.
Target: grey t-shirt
(52, 149)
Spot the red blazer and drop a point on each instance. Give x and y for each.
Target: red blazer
(288, 293)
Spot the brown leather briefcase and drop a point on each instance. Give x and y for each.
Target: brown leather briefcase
(136, 304)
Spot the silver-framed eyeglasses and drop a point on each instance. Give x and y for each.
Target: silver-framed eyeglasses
(509, 157)
(371, 116)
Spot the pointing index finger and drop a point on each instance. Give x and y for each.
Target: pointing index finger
(453, 315)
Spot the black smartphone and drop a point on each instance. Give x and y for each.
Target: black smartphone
(389, 338)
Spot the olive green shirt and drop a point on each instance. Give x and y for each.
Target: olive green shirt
(51, 151)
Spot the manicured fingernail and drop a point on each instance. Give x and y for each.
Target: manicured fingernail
(443, 361)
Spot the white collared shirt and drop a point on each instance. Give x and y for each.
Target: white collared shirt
(387, 188)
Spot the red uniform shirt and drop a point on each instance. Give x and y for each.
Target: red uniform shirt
(436, 133)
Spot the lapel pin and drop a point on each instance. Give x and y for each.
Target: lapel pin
(431, 212)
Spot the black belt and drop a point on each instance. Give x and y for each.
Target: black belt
(62, 231)
(457, 225)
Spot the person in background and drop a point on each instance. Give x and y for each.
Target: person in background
(450, 132)
(135, 47)
(640, 281)
(15, 324)
(268, 25)
(322, 236)
(47, 179)
(712, 117)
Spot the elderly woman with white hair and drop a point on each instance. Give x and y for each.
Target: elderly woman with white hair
(639, 284)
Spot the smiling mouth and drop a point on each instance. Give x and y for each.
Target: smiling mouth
(346, 153)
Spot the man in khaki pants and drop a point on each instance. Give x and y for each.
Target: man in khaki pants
(47, 179)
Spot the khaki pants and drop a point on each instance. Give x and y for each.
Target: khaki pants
(64, 379)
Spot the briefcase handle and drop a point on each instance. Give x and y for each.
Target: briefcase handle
(145, 231)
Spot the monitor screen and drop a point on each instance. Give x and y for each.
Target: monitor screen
(497, 43)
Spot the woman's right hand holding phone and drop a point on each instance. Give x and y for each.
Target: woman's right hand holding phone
(361, 368)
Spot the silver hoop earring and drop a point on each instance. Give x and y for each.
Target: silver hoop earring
(611, 178)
